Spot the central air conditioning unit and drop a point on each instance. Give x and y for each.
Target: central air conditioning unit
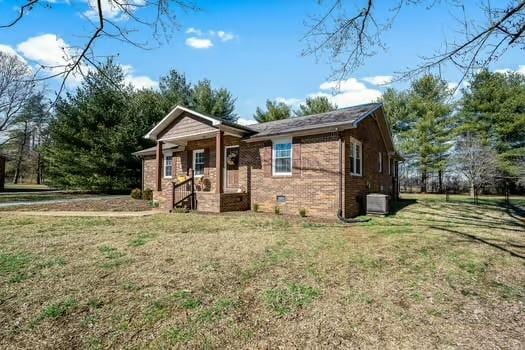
(377, 203)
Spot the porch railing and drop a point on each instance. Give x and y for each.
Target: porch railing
(184, 192)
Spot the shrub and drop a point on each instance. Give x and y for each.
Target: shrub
(277, 210)
(147, 195)
(136, 193)
(302, 212)
(255, 207)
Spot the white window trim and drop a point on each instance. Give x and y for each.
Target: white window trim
(193, 161)
(389, 165)
(165, 165)
(279, 142)
(380, 160)
(352, 140)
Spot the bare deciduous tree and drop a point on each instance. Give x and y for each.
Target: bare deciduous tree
(348, 34)
(118, 20)
(16, 86)
(477, 162)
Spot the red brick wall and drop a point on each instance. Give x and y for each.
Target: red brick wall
(313, 185)
(371, 180)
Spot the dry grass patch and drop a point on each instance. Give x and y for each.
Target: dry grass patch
(433, 275)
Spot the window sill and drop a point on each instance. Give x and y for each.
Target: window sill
(282, 175)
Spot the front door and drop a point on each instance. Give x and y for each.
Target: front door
(231, 166)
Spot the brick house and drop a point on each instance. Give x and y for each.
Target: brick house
(324, 163)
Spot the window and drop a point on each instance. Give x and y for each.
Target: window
(168, 166)
(355, 158)
(198, 162)
(282, 157)
(380, 162)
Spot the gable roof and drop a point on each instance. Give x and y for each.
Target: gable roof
(180, 110)
(340, 119)
(349, 116)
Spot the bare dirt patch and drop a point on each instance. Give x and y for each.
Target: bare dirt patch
(426, 277)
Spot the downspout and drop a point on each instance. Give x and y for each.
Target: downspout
(340, 214)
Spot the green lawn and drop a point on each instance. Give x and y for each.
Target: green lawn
(436, 274)
(9, 187)
(38, 197)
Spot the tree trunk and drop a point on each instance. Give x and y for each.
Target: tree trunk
(472, 189)
(423, 181)
(440, 181)
(39, 169)
(19, 157)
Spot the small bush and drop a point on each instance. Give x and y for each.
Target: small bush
(255, 207)
(136, 193)
(277, 210)
(153, 204)
(302, 212)
(147, 195)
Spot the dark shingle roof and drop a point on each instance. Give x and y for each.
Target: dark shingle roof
(333, 118)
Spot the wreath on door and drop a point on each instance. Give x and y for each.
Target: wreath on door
(231, 158)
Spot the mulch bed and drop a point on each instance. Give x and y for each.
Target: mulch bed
(120, 204)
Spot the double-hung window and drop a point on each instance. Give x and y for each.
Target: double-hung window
(380, 159)
(168, 166)
(356, 154)
(198, 162)
(282, 157)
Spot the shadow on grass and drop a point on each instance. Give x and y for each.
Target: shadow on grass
(483, 240)
(401, 204)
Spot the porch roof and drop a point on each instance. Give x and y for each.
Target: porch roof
(153, 150)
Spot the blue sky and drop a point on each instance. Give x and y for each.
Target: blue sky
(253, 48)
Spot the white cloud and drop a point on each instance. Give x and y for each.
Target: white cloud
(10, 51)
(451, 85)
(347, 92)
(519, 70)
(225, 36)
(140, 81)
(379, 79)
(351, 84)
(203, 39)
(195, 31)
(197, 43)
(46, 49)
(51, 52)
(111, 10)
(54, 54)
(243, 121)
(343, 93)
(292, 102)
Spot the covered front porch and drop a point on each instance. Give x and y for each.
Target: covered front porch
(197, 162)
